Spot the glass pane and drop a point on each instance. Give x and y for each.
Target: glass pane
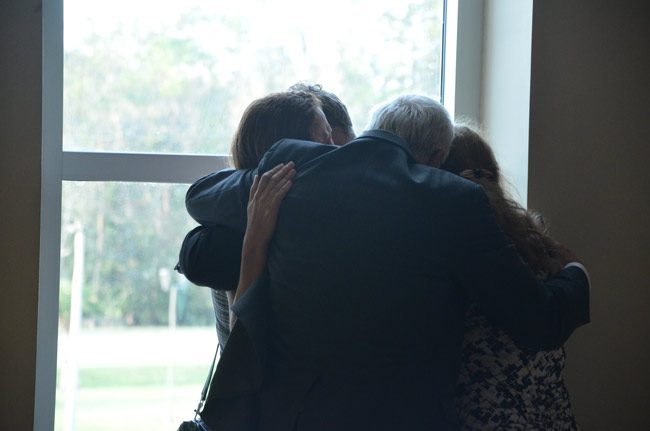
(135, 338)
(175, 76)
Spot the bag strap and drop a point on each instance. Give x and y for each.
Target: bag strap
(206, 385)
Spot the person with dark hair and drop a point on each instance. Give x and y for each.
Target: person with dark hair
(210, 253)
(291, 114)
(501, 385)
(356, 316)
(335, 111)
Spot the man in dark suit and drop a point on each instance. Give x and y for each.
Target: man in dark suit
(372, 265)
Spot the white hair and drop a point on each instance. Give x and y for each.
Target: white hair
(422, 122)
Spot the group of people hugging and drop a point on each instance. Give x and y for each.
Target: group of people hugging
(379, 282)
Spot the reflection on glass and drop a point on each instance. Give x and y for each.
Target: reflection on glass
(175, 76)
(135, 338)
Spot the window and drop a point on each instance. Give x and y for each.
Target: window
(169, 76)
(140, 99)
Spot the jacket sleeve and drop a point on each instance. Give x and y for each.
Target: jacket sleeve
(220, 198)
(538, 315)
(211, 256)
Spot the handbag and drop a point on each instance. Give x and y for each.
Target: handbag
(197, 424)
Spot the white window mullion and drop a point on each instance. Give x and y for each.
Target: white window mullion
(463, 58)
(50, 220)
(139, 167)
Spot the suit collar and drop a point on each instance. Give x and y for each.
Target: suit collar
(385, 135)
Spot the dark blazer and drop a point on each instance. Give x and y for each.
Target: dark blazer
(373, 262)
(211, 252)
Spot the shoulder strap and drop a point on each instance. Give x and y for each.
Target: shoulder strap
(206, 385)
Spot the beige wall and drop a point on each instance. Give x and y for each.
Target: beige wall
(20, 182)
(590, 175)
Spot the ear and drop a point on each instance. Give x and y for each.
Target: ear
(437, 158)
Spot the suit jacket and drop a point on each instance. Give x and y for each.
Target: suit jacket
(211, 252)
(373, 262)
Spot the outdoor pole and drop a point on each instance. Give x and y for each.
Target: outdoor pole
(164, 275)
(71, 369)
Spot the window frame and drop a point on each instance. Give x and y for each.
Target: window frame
(462, 36)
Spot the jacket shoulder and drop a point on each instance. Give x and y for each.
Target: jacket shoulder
(447, 186)
(224, 178)
(221, 192)
(293, 150)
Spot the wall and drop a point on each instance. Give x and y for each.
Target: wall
(589, 174)
(20, 182)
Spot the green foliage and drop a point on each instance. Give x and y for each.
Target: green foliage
(130, 232)
(162, 97)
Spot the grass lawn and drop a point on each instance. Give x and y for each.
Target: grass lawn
(135, 408)
(132, 379)
(94, 378)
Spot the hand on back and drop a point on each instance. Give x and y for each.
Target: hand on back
(266, 195)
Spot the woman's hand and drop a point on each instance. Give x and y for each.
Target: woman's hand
(264, 202)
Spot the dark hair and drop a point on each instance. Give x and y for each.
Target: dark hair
(269, 119)
(335, 111)
(471, 157)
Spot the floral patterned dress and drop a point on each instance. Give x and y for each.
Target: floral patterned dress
(504, 387)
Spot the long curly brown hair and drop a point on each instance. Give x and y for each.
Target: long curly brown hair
(471, 157)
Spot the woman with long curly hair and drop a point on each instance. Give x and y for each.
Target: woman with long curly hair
(500, 385)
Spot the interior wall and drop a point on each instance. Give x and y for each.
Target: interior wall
(20, 198)
(589, 175)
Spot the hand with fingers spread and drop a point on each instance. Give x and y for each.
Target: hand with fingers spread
(266, 195)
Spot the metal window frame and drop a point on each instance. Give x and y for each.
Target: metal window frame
(138, 167)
